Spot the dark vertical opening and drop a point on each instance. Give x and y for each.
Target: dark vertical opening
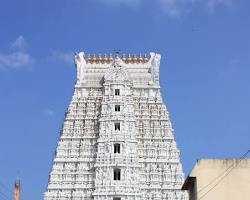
(117, 108)
(117, 92)
(117, 174)
(117, 148)
(117, 126)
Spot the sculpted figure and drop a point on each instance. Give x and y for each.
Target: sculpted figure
(118, 62)
(79, 62)
(155, 64)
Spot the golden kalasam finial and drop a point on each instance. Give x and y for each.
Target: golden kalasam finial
(140, 59)
(128, 60)
(99, 58)
(145, 59)
(110, 58)
(93, 59)
(105, 58)
(88, 59)
(134, 59)
(123, 57)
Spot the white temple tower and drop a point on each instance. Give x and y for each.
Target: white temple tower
(117, 141)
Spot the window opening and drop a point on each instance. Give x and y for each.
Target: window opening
(117, 126)
(117, 92)
(117, 174)
(117, 108)
(117, 148)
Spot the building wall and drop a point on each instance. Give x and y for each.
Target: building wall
(222, 179)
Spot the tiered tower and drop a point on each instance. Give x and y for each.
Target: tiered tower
(117, 141)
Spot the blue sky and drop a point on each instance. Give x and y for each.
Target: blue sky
(205, 72)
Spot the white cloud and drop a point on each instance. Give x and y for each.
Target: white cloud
(212, 4)
(66, 57)
(15, 60)
(19, 44)
(48, 112)
(173, 8)
(18, 57)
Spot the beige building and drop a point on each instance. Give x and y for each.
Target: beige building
(219, 179)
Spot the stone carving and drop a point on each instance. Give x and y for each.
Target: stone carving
(117, 71)
(155, 65)
(84, 163)
(79, 62)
